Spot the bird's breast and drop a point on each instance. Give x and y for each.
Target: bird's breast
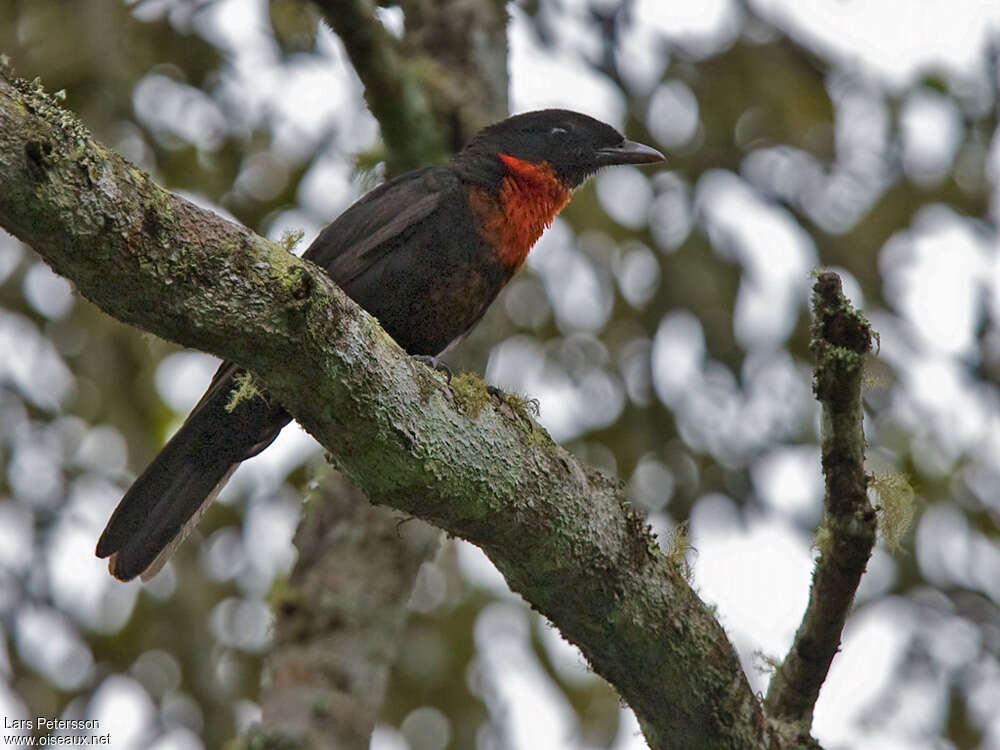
(512, 220)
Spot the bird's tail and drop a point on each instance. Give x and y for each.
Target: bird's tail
(167, 500)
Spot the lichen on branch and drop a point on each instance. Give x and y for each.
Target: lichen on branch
(563, 534)
(841, 337)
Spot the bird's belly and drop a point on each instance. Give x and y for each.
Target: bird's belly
(426, 310)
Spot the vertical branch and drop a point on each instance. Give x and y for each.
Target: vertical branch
(392, 91)
(459, 48)
(438, 85)
(840, 338)
(339, 620)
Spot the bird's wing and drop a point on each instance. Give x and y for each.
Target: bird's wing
(365, 232)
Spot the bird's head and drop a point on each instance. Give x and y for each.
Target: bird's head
(572, 145)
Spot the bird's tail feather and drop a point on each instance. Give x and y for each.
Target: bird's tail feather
(168, 499)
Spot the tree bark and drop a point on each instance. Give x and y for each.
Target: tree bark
(339, 620)
(841, 337)
(563, 535)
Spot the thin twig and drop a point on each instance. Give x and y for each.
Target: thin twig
(840, 338)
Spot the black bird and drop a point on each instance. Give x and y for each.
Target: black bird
(426, 254)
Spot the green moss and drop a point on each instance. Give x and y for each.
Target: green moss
(285, 268)
(823, 539)
(525, 406)
(290, 238)
(427, 383)
(895, 506)
(875, 377)
(246, 389)
(837, 328)
(676, 549)
(528, 410)
(539, 436)
(49, 108)
(158, 209)
(765, 663)
(470, 393)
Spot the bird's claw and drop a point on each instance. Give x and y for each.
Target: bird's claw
(435, 364)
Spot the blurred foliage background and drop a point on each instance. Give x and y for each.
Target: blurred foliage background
(662, 323)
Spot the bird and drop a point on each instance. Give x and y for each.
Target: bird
(426, 254)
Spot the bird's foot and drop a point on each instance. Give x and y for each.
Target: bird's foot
(436, 364)
(521, 403)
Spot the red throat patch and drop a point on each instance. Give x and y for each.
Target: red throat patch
(530, 196)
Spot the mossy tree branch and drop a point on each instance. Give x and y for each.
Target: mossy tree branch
(840, 338)
(562, 534)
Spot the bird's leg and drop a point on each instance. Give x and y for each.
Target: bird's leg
(436, 364)
(516, 400)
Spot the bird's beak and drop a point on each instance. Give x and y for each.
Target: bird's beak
(628, 152)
